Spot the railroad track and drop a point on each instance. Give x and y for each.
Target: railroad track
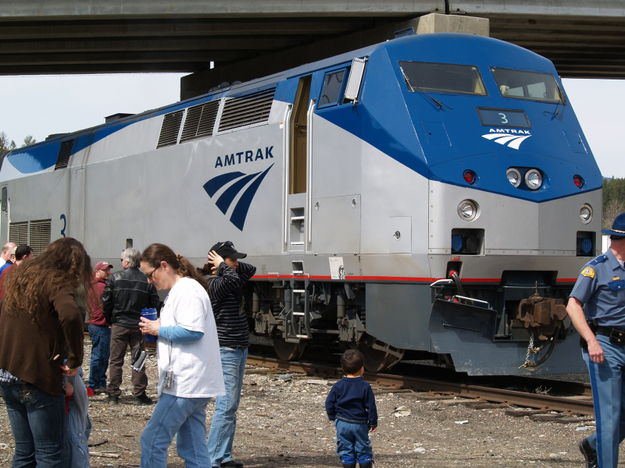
(576, 404)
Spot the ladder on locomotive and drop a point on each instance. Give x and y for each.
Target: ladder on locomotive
(298, 317)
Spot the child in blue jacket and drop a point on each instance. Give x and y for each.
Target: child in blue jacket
(351, 404)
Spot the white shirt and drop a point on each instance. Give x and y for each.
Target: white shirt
(196, 365)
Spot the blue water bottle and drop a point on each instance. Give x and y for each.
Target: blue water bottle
(150, 314)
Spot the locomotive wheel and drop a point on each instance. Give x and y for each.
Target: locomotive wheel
(377, 360)
(288, 351)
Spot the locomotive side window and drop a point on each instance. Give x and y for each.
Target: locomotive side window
(519, 84)
(332, 89)
(442, 77)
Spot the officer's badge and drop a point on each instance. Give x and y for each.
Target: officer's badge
(589, 272)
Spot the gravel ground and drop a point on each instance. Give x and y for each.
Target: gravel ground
(282, 423)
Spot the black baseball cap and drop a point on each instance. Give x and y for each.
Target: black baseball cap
(226, 250)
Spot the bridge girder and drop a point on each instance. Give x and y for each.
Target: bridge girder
(583, 39)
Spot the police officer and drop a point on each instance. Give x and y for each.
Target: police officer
(600, 289)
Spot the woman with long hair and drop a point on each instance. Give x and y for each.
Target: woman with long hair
(189, 364)
(41, 341)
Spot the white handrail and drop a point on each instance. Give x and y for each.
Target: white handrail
(286, 141)
(441, 281)
(309, 148)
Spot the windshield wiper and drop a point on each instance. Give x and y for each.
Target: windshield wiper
(556, 112)
(438, 104)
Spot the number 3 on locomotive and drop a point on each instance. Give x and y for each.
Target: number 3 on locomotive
(64, 219)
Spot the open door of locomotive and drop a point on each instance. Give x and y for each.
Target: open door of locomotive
(297, 215)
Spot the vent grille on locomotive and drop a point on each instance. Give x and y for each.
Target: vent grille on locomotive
(18, 232)
(64, 153)
(200, 121)
(39, 235)
(170, 129)
(34, 233)
(247, 110)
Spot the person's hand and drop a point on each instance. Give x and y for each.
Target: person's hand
(215, 259)
(149, 327)
(67, 371)
(373, 428)
(595, 352)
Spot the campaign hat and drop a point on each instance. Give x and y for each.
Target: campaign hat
(618, 227)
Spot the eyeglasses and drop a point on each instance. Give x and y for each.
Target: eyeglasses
(150, 274)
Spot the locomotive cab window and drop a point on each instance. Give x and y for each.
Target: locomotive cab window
(442, 78)
(332, 89)
(519, 84)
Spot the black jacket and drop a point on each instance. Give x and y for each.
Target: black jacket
(225, 292)
(125, 294)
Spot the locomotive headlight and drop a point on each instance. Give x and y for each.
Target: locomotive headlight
(514, 176)
(468, 210)
(585, 213)
(533, 179)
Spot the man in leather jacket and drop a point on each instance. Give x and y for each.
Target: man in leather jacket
(125, 294)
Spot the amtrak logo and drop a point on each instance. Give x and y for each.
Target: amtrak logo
(236, 183)
(508, 137)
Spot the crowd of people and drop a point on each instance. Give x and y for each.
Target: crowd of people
(201, 333)
(202, 341)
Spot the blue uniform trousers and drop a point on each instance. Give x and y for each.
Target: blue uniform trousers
(608, 392)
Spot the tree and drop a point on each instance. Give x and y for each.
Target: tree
(5, 144)
(29, 140)
(613, 200)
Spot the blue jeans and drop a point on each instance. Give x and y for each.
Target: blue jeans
(184, 417)
(224, 421)
(77, 426)
(38, 423)
(100, 349)
(608, 393)
(352, 442)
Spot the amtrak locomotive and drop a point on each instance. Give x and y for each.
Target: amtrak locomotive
(430, 197)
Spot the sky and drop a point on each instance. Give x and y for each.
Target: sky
(45, 104)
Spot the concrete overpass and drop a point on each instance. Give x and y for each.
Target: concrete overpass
(255, 37)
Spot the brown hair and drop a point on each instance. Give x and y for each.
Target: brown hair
(63, 263)
(352, 361)
(156, 253)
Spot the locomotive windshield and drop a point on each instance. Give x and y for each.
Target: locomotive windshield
(520, 84)
(442, 77)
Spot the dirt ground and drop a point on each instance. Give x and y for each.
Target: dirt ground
(282, 423)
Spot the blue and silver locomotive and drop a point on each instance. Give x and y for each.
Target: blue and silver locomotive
(430, 197)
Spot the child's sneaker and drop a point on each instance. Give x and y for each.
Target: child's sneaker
(90, 392)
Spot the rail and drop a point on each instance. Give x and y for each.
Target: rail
(577, 404)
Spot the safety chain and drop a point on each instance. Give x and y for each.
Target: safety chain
(531, 350)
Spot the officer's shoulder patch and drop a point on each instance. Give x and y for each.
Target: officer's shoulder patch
(599, 259)
(589, 272)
